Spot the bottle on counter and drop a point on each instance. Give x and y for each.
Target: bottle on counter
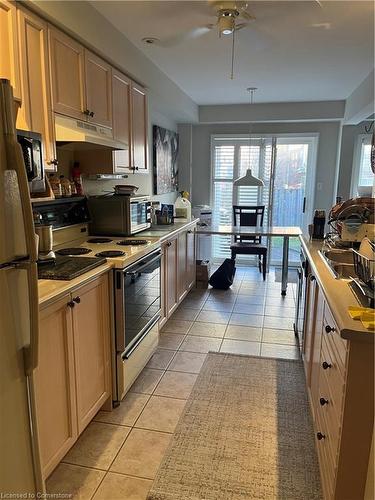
(55, 185)
(73, 188)
(77, 178)
(66, 188)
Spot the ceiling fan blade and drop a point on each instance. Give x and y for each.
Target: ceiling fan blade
(240, 26)
(246, 15)
(175, 40)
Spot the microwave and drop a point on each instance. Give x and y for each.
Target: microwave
(119, 215)
(31, 145)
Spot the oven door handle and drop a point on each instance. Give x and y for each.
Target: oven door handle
(130, 352)
(135, 270)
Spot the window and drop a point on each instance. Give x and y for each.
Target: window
(363, 177)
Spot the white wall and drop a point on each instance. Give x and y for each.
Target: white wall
(361, 103)
(329, 134)
(168, 104)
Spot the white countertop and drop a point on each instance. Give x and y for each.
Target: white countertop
(337, 293)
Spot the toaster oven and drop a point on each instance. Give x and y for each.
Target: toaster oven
(119, 215)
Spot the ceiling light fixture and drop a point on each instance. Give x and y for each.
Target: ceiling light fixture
(226, 24)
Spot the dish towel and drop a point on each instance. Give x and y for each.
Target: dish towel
(365, 314)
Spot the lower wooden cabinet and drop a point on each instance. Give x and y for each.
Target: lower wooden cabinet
(73, 378)
(178, 270)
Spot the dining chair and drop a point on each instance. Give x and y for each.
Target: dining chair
(250, 245)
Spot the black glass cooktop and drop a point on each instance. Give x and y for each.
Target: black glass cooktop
(68, 268)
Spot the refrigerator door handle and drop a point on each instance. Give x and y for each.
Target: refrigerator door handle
(31, 351)
(15, 158)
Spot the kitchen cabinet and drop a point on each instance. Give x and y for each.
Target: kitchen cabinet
(54, 382)
(341, 393)
(35, 113)
(171, 248)
(309, 325)
(91, 348)
(139, 145)
(68, 75)
(73, 378)
(121, 93)
(9, 57)
(98, 78)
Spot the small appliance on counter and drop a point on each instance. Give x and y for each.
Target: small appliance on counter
(182, 206)
(45, 243)
(319, 223)
(164, 216)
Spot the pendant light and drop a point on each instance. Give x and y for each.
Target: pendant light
(249, 179)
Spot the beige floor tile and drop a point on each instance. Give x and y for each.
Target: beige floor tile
(222, 299)
(177, 326)
(278, 323)
(98, 445)
(272, 336)
(250, 300)
(194, 343)
(127, 412)
(212, 305)
(238, 332)
(189, 362)
(170, 341)
(194, 303)
(246, 320)
(160, 359)
(240, 347)
(185, 313)
(120, 487)
(147, 381)
(161, 414)
(176, 385)
(142, 453)
(280, 311)
(79, 482)
(287, 301)
(249, 309)
(279, 351)
(207, 329)
(214, 317)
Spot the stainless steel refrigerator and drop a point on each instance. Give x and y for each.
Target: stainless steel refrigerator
(20, 470)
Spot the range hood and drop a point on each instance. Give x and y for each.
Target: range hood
(73, 134)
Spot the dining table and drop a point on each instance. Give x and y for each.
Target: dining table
(250, 231)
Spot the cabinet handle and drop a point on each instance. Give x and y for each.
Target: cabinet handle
(190, 231)
(326, 365)
(169, 244)
(86, 112)
(330, 329)
(71, 304)
(77, 300)
(320, 436)
(53, 162)
(323, 401)
(312, 278)
(91, 114)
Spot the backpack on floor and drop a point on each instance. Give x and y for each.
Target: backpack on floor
(223, 277)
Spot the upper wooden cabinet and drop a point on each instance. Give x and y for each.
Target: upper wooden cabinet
(9, 59)
(67, 73)
(98, 90)
(35, 113)
(121, 95)
(139, 149)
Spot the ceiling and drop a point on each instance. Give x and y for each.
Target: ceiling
(292, 51)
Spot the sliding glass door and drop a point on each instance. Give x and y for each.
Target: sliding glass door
(285, 164)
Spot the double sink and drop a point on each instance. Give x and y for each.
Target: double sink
(340, 262)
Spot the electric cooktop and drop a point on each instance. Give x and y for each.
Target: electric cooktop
(73, 251)
(133, 242)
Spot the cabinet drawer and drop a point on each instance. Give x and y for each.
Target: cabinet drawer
(332, 333)
(326, 463)
(334, 377)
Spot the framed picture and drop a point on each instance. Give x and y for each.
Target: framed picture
(165, 151)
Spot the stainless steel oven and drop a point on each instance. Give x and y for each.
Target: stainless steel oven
(119, 215)
(137, 302)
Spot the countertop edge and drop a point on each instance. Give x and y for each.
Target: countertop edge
(346, 325)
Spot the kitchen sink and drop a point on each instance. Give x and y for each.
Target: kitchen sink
(339, 262)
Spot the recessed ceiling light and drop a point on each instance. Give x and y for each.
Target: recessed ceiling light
(150, 40)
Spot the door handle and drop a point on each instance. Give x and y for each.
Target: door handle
(304, 205)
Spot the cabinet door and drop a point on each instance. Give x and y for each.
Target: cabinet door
(55, 396)
(91, 329)
(67, 72)
(98, 89)
(190, 258)
(121, 92)
(163, 286)
(181, 265)
(139, 127)
(316, 346)
(36, 113)
(171, 276)
(9, 59)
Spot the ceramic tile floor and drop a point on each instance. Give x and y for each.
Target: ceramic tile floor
(118, 454)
